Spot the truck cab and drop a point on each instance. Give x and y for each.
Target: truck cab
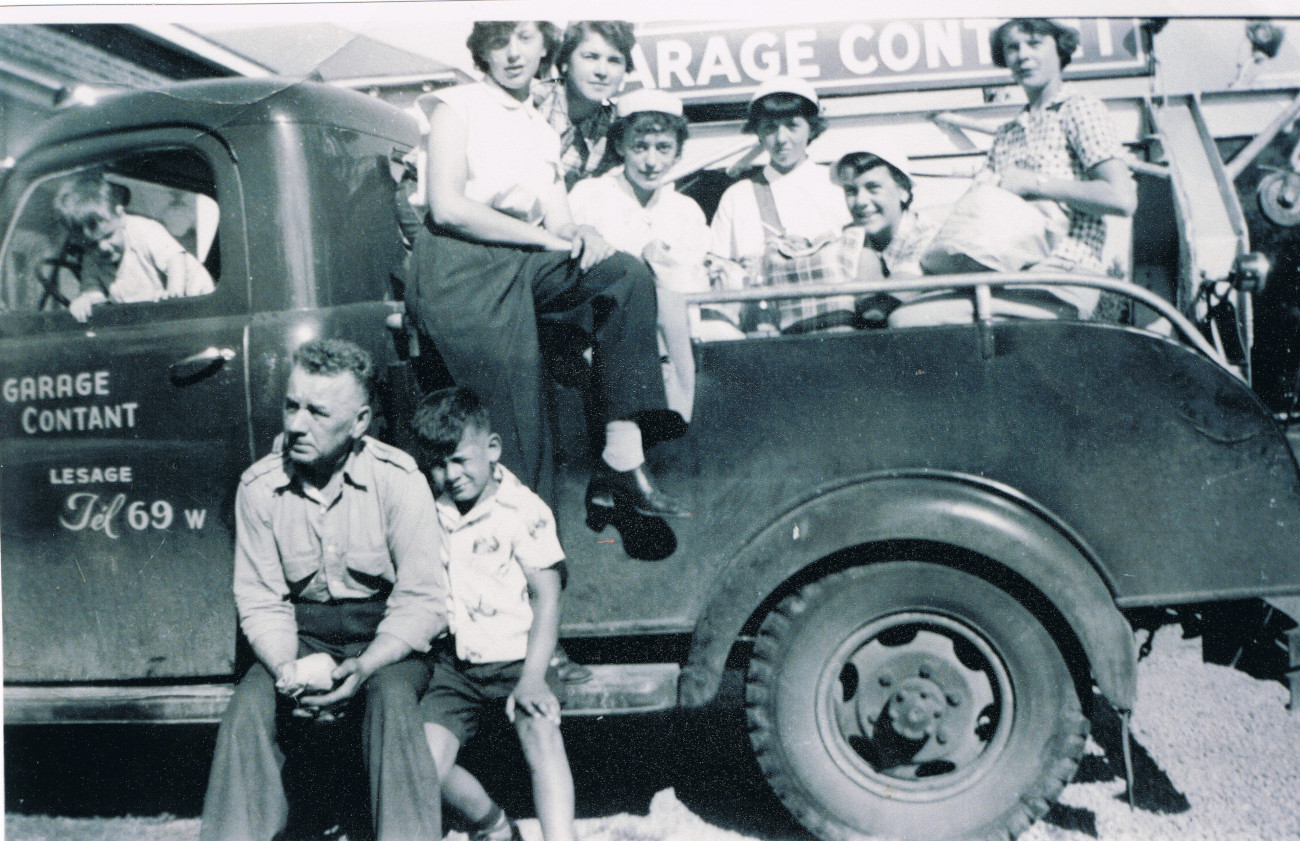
(921, 545)
(124, 436)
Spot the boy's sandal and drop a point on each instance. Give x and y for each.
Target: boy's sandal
(503, 830)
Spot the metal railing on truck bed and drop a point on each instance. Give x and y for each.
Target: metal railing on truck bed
(981, 286)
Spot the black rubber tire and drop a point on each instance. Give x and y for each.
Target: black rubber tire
(1016, 769)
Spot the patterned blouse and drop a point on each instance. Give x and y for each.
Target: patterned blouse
(1066, 138)
(582, 144)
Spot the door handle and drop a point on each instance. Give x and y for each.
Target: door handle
(200, 364)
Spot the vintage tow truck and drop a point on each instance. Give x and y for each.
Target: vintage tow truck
(924, 547)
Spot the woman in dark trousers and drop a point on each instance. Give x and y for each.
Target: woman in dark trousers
(499, 249)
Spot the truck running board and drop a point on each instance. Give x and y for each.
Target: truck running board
(647, 687)
(630, 688)
(115, 704)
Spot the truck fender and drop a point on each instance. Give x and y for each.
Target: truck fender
(956, 510)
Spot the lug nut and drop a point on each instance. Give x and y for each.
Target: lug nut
(886, 680)
(924, 671)
(953, 699)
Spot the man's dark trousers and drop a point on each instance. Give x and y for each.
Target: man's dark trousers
(246, 800)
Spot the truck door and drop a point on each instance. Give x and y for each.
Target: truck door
(123, 436)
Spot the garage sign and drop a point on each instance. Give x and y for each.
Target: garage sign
(725, 61)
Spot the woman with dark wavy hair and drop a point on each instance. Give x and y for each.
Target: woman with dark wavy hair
(499, 249)
(593, 58)
(1062, 148)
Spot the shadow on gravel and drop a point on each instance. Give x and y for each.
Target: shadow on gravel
(1153, 791)
(619, 763)
(1072, 818)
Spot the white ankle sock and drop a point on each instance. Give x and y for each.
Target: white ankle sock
(623, 445)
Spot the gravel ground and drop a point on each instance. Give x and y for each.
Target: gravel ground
(1216, 753)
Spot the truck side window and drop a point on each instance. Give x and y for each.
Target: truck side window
(134, 229)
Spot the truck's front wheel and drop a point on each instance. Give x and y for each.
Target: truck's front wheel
(911, 700)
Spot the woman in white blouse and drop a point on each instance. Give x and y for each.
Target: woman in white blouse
(639, 211)
(499, 248)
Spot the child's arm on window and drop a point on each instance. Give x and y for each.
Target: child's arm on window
(184, 275)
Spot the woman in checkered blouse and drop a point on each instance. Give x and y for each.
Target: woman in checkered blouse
(1062, 147)
(592, 59)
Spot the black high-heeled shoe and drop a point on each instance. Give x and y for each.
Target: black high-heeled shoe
(610, 488)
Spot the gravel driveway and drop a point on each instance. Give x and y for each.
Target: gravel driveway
(1216, 752)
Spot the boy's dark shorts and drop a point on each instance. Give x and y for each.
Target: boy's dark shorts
(461, 692)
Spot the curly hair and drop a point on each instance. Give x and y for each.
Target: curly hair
(328, 357)
(646, 122)
(617, 32)
(441, 419)
(86, 195)
(1065, 38)
(488, 35)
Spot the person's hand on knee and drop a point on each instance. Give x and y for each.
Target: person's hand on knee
(533, 698)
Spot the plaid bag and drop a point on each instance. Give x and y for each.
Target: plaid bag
(789, 259)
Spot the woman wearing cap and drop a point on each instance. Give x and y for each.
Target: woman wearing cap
(499, 248)
(1062, 148)
(592, 59)
(878, 192)
(785, 113)
(886, 234)
(640, 212)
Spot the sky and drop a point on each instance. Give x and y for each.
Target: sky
(443, 40)
(438, 29)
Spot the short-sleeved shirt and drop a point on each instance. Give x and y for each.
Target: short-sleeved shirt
(916, 229)
(512, 155)
(902, 257)
(807, 202)
(609, 205)
(372, 529)
(1065, 138)
(140, 275)
(487, 550)
(582, 144)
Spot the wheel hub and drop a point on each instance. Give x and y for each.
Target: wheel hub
(915, 707)
(1279, 197)
(911, 706)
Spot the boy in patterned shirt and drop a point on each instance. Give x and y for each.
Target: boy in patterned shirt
(503, 561)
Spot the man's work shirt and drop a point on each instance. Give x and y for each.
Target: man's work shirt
(371, 530)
